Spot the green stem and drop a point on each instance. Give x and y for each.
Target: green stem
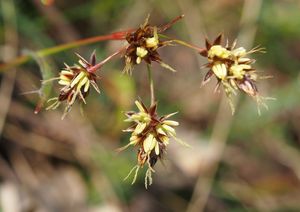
(151, 84)
(181, 42)
(188, 45)
(52, 50)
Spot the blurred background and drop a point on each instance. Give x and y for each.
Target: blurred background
(244, 162)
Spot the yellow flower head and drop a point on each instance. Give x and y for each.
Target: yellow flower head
(151, 134)
(218, 51)
(232, 68)
(76, 81)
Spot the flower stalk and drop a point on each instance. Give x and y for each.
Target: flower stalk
(183, 43)
(151, 84)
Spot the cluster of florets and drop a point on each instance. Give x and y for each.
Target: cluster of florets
(76, 81)
(143, 45)
(150, 134)
(232, 68)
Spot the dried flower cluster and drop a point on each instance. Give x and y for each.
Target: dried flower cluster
(232, 68)
(150, 134)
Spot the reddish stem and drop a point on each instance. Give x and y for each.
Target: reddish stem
(52, 50)
(94, 68)
(168, 25)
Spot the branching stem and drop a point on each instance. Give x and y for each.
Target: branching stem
(53, 50)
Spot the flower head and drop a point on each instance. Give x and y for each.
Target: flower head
(76, 81)
(143, 45)
(232, 68)
(150, 134)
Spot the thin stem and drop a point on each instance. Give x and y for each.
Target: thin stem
(181, 42)
(97, 66)
(168, 25)
(218, 140)
(11, 38)
(151, 84)
(53, 50)
(188, 45)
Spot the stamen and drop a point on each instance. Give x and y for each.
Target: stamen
(136, 168)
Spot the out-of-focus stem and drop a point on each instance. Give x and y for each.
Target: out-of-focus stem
(223, 123)
(11, 40)
(217, 142)
(151, 84)
(53, 50)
